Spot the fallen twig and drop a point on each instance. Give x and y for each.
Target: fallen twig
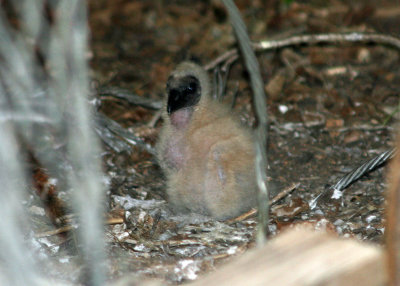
(66, 228)
(129, 97)
(152, 123)
(277, 198)
(325, 38)
(108, 128)
(284, 193)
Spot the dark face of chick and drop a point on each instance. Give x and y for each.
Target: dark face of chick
(183, 92)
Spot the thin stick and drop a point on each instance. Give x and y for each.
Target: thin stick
(54, 231)
(220, 59)
(242, 216)
(307, 39)
(152, 123)
(66, 228)
(278, 197)
(284, 193)
(130, 97)
(351, 37)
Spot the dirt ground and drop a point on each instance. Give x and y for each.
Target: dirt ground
(330, 109)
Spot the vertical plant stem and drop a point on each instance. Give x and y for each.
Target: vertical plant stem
(261, 111)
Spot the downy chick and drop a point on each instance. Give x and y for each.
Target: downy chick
(207, 157)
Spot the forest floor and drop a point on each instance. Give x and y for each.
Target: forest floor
(330, 109)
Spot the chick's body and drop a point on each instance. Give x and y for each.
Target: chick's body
(208, 158)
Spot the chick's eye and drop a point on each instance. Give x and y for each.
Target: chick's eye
(191, 88)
